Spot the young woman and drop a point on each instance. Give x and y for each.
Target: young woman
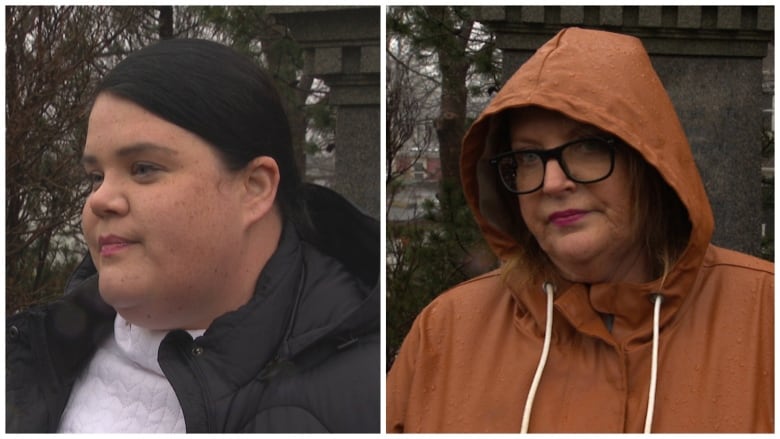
(218, 294)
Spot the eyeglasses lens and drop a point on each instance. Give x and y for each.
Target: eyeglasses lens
(584, 161)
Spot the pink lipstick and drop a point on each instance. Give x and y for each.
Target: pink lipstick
(567, 217)
(112, 244)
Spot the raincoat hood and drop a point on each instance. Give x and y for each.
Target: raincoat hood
(602, 79)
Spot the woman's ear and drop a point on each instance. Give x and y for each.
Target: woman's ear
(261, 182)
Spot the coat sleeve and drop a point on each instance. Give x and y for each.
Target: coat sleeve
(400, 380)
(765, 421)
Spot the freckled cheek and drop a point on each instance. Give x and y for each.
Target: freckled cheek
(193, 230)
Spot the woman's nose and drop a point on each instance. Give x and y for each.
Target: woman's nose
(107, 199)
(555, 180)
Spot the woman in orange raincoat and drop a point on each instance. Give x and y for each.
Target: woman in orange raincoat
(612, 311)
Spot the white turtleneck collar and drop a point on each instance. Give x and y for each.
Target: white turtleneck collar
(124, 390)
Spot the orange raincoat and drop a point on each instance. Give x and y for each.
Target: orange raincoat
(468, 362)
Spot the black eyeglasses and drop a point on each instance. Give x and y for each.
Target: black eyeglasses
(586, 160)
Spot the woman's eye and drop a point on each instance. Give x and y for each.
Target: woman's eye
(144, 169)
(527, 159)
(94, 179)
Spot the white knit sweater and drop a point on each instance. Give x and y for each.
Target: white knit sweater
(124, 390)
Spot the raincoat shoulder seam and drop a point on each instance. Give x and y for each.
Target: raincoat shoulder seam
(739, 265)
(465, 287)
(724, 257)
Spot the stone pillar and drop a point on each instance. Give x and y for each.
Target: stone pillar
(341, 46)
(710, 61)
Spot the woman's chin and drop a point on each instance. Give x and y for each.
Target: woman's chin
(578, 264)
(118, 295)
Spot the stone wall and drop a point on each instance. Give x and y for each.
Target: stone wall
(710, 61)
(341, 47)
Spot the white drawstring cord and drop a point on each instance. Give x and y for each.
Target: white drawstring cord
(549, 290)
(657, 299)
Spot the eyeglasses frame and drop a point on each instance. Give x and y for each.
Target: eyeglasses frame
(557, 154)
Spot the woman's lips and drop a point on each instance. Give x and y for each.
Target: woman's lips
(111, 244)
(566, 217)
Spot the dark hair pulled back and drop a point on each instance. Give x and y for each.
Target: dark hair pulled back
(218, 94)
